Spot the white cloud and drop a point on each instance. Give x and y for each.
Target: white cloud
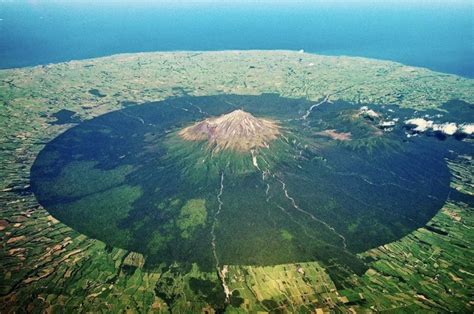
(446, 128)
(467, 129)
(421, 125)
(449, 128)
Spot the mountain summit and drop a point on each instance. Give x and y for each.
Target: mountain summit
(237, 130)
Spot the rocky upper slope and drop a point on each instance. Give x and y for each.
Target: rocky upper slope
(238, 130)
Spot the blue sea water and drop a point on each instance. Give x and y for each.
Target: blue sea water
(439, 36)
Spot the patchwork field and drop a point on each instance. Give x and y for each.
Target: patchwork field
(104, 207)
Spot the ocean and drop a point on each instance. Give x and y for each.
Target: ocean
(437, 36)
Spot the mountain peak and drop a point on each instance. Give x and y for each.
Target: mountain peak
(237, 130)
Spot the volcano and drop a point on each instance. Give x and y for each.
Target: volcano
(238, 131)
(281, 189)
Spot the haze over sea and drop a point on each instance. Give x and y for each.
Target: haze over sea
(435, 34)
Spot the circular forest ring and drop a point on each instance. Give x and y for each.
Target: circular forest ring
(248, 180)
